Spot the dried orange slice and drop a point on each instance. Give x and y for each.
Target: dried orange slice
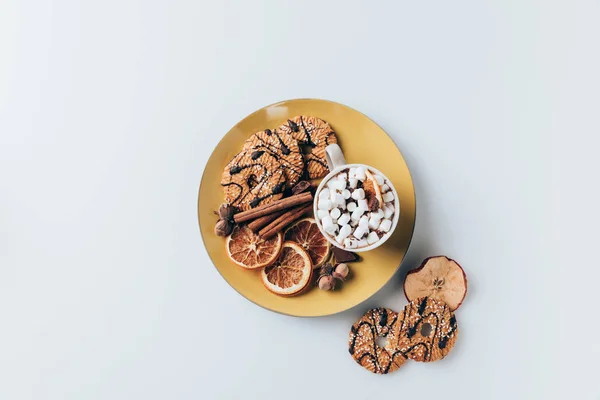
(290, 274)
(372, 189)
(440, 278)
(306, 233)
(250, 251)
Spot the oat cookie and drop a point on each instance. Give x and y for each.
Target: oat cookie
(314, 135)
(284, 148)
(426, 330)
(252, 179)
(363, 347)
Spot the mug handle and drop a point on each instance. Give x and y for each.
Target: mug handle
(334, 156)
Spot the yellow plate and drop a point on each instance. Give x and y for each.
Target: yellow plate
(362, 141)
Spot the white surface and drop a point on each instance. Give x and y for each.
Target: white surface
(109, 111)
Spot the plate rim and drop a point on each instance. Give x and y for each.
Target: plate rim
(411, 231)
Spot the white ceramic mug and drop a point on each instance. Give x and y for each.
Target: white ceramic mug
(336, 163)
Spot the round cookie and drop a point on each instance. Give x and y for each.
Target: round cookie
(426, 330)
(251, 180)
(284, 148)
(314, 134)
(363, 346)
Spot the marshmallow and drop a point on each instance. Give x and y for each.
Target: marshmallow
(346, 193)
(358, 194)
(351, 206)
(348, 243)
(324, 204)
(337, 185)
(345, 231)
(374, 222)
(324, 194)
(378, 214)
(363, 204)
(322, 213)
(360, 173)
(339, 239)
(379, 179)
(343, 177)
(385, 188)
(344, 219)
(352, 173)
(328, 225)
(357, 213)
(364, 222)
(353, 223)
(339, 200)
(389, 196)
(386, 225)
(359, 232)
(352, 182)
(372, 238)
(363, 243)
(335, 213)
(388, 211)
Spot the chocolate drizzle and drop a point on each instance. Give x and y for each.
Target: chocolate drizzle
(442, 339)
(277, 150)
(278, 188)
(422, 306)
(254, 182)
(384, 324)
(383, 320)
(308, 133)
(293, 125)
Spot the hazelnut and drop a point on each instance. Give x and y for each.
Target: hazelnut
(223, 228)
(341, 271)
(326, 282)
(226, 211)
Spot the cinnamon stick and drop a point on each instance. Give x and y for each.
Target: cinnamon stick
(270, 208)
(284, 220)
(261, 222)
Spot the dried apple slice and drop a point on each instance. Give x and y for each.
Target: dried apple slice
(439, 278)
(372, 191)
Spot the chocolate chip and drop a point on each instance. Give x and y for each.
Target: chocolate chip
(268, 132)
(235, 170)
(256, 154)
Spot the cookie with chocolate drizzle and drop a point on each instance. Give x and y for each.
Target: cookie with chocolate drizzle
(253, 178)
(284, 148)
(363, 347)
(426, 330)
(314, 135)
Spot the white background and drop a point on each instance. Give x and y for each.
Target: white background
(110, 109)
